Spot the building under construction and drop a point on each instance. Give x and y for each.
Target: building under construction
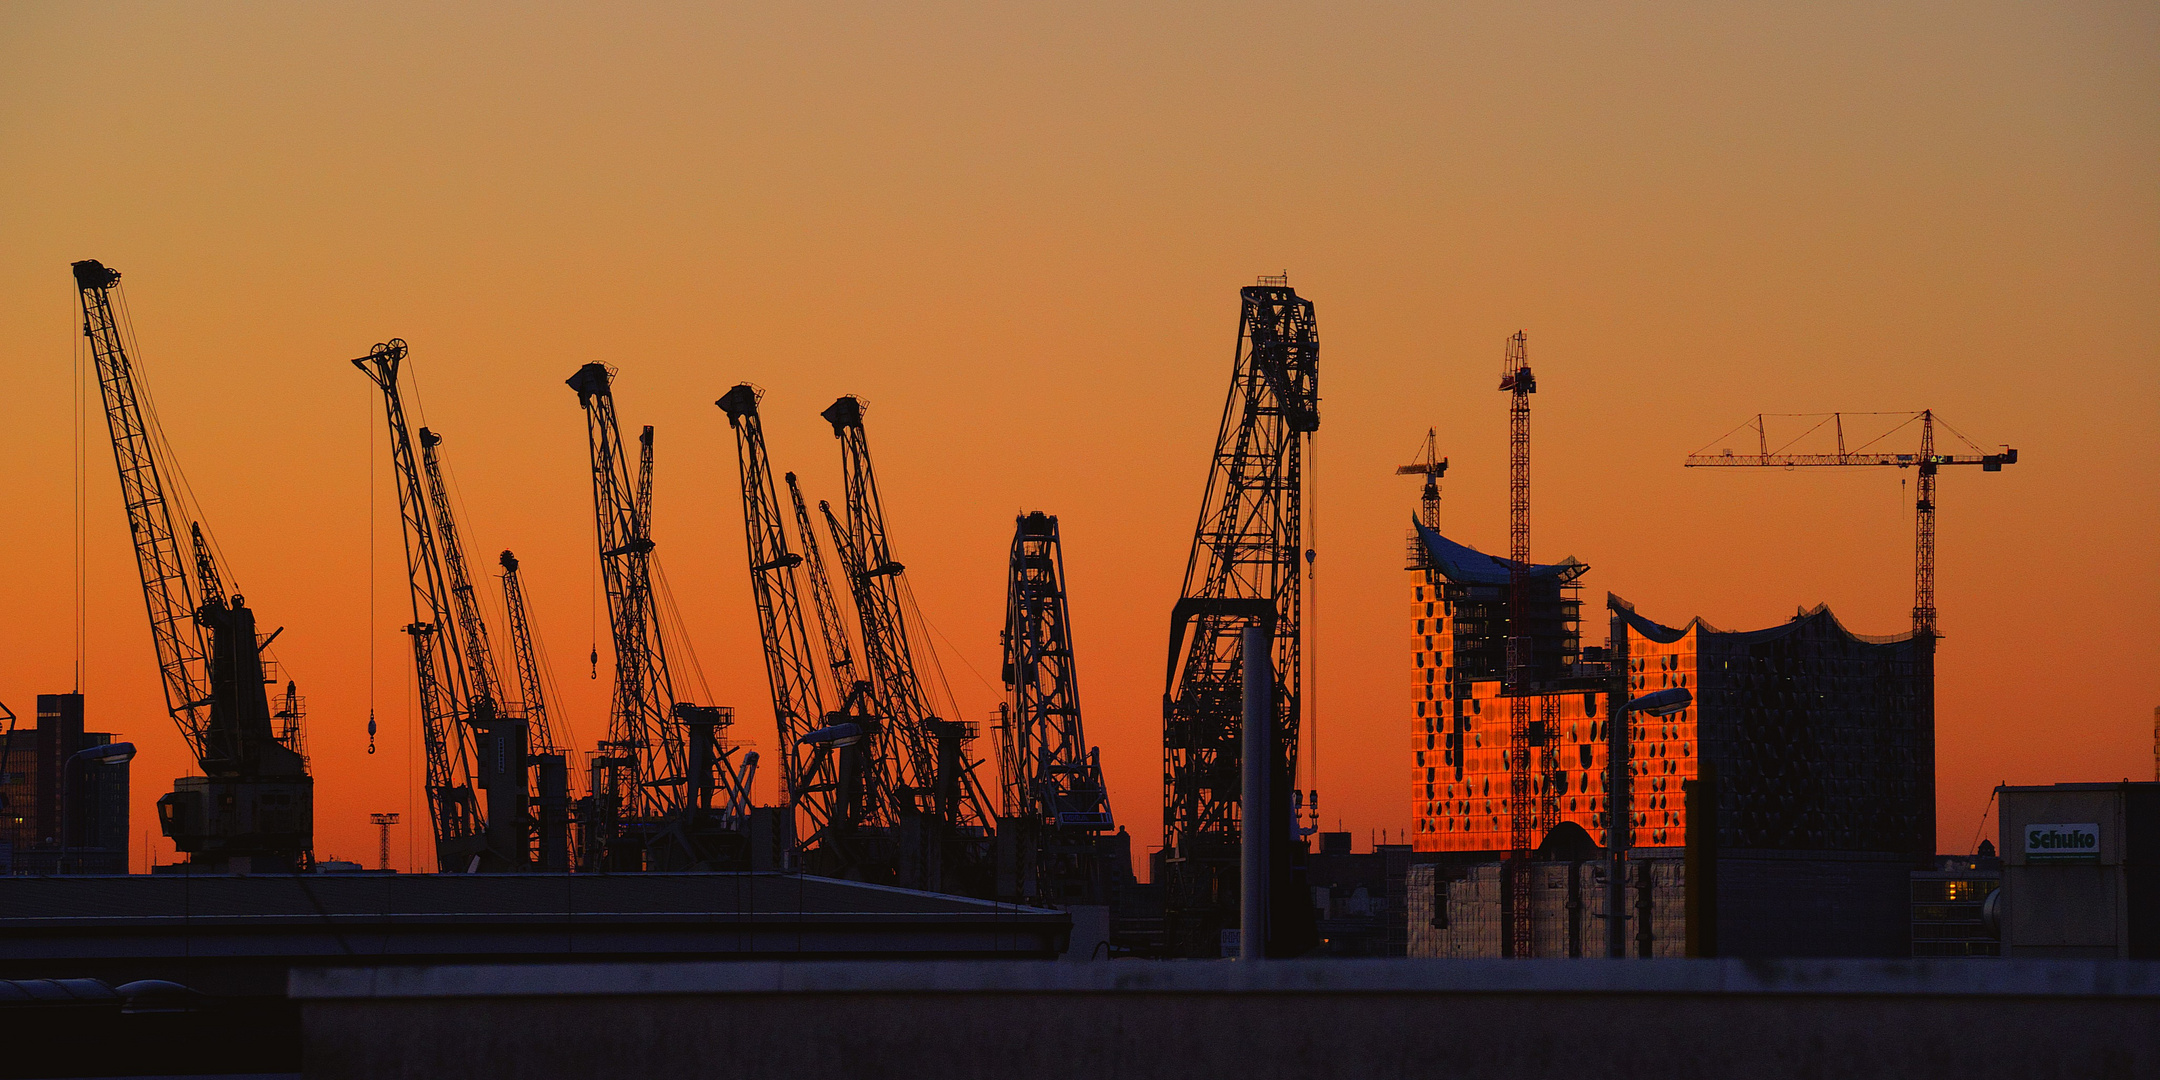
(1820, 742)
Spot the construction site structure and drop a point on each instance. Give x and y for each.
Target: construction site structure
(471, 746)
(252, 809)
(1926, 460)
(1432, 467)
(1245, 569)
(667, 791)
(550, 761)
(943, 820)
(1057, 840)
(828, 782)
(1533, 806)
(382, 823)
(865, 846)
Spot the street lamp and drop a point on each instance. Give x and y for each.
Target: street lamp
(109, 754)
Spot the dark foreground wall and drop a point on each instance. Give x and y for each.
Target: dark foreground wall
(1670, 1019)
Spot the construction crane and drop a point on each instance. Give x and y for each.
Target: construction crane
(858, 840)
(1432, 467)
(790, 668)
(1533, 800)
(454, 713)
(551, 765)
(253, 808)
(1245, 568)
(1056, 805)
(944, 818)
(638, 776)
(502, 737)
(666, 762)
(1925, 459)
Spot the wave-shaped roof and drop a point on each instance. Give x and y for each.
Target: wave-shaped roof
(1472, 567)
(1820, 613)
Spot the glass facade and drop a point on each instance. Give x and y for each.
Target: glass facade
(1823, 740)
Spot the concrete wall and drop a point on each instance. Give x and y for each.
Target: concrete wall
(2101, 906)
(1770, 904)
(1670, 1019)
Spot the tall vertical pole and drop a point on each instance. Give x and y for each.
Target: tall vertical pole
(1253, 830)
(1523, 801)
(1617, 783)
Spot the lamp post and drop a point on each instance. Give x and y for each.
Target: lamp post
(108, 754)
(1621, 706)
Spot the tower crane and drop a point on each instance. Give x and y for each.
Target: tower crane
(1245, 567)
(1055, 798)
(253, 807)
(1533, 800)
(452, 711)
(1926, 460)
(944, 817)
(667, 763)
(1432, 467)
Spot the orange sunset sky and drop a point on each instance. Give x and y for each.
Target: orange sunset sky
(1018, 232)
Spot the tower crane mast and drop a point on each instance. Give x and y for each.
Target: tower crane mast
(1533, 801)
(253, 807)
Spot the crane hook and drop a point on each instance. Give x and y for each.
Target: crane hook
(371, 731)
(596, 660)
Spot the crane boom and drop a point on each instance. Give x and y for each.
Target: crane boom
(1926, 460)
(790, 668)
(472, 629)
(832, 623)
(532, 681)
(253, 807)
(940, 771)
(439, 664)
(677, 796)
(550, 809)
(183, 652)
(501, 737)
(641, 720)
(856, 841)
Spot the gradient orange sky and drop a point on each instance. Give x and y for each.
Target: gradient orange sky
(1018, 231)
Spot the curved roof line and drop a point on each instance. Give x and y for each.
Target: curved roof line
(1666, 635)
(1472, 567)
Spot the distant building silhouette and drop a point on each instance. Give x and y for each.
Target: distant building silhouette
(95, 817)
